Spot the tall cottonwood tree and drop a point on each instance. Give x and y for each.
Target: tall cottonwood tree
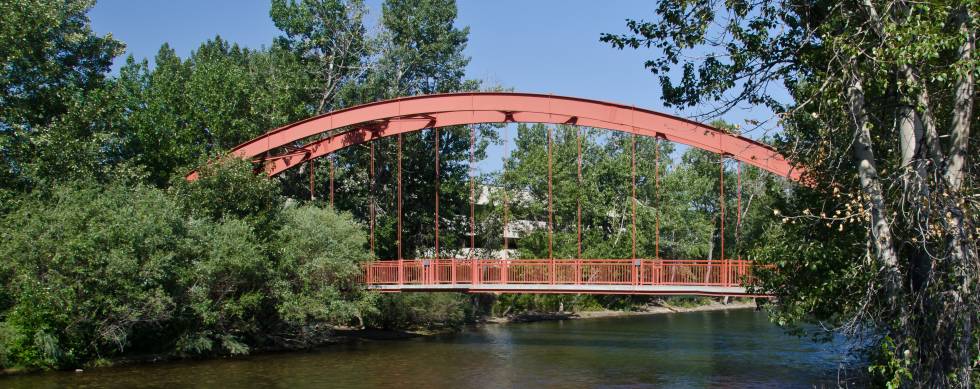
(330, 37)
(417, 50)
(881, 114)
(49, 59)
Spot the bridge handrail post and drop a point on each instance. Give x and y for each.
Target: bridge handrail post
(639, 271)
(724, 272)
(656, 271)
(503, 270)
(636, 271)
(475, 269)
(551, 271)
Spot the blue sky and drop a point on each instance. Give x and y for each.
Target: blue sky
(531, 46)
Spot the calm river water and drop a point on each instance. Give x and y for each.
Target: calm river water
(738, 348)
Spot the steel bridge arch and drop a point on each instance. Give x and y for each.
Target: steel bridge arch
(365, 123)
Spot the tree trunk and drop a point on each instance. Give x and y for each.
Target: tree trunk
(881, 234)
(962, 108)
(963, 250)
(916, 190)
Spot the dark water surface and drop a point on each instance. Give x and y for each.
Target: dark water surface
(728, 349)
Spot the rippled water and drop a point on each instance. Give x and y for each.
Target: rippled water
(729, 349)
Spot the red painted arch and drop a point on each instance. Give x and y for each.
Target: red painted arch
(381, 119)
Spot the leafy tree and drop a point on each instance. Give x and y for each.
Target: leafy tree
(329, 36)
(159, 138)
(49, 57)
(222, 95)
(881, 113)
(82, 144)
(49, 53)
(422, 51)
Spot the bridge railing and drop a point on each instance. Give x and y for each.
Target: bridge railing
(725, 273)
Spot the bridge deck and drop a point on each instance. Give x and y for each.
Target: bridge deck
(560, 289)
(543, 276)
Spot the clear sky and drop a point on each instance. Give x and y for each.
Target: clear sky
(531, 46)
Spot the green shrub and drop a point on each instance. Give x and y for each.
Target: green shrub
(83, 269)
(222, 287)
(320, 255)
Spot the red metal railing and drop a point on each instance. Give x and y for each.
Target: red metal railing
(726, 273)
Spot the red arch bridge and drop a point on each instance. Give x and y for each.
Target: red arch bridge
(305, 141)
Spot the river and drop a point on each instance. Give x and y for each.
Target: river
(736, 348)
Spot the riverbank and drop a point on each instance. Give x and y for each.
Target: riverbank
(659, 309)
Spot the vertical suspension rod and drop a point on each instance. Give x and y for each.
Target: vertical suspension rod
(474, 263)
(578, 199)
(551, 221)
(312, 167)
(436, 133)
(504, 187)
(550, 202)
(633, 184)
(331, 159)
(371, 174)
(656, 183)
(399, 227)
(721, 202)
(472, 192)
(721, 197)
(738, 208)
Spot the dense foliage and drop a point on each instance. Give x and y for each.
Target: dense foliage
(881, 111)
(93, 270)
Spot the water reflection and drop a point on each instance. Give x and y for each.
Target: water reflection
(701, 349)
